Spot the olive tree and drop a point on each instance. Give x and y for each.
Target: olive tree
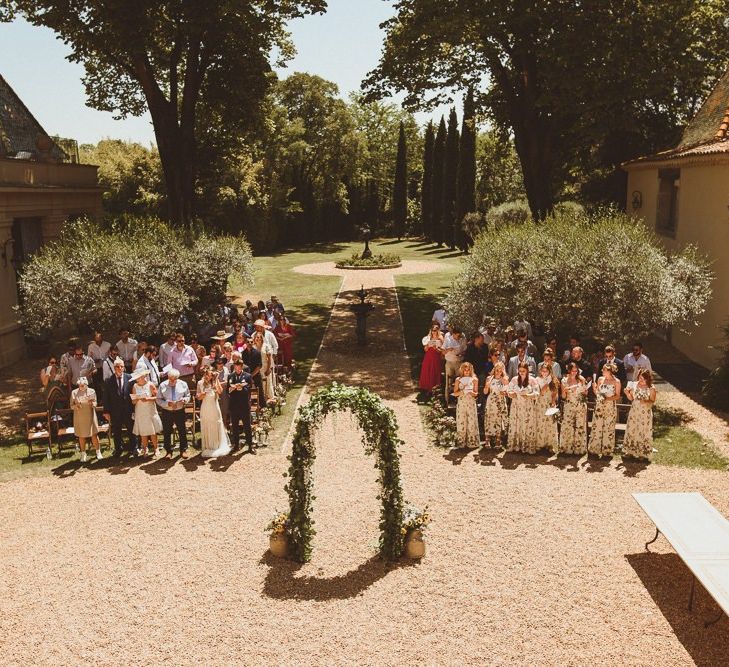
(139, 272)
(602, 274)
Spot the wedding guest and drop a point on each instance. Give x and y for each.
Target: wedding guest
(285, 335)
(497, 346)
(466, 390)
(496, 414)
(548, 360)
(521, 357)
(139, 352)
(638, 442)
(98, 350)
(227, 349)
(55, 391)
(147, 423)
(605, 415)
(271, 315)
(453, 349)
(166, 348)
(266, 365)
(239, 391)
(215, 440)
(523, 391)
(234, 356)
(254, 362)
(440, 317)
(547, 435)
(221, 370)
(488, 330)
(523, 325)
(79, 365)
(183, 359)
(262, 327)
(118, 408)
(636, 361)
(240, 341)
(277, 305)
(172, 397)
(149, 361)
(477, 354)
(65, 357)
(430, 370)
(127, 347)
(577, 357)
(261, 306)
(85, 424)
(107, 367)
(200, 353)
(521, 336)
(573, 434)
(574, 341)
(610, 358)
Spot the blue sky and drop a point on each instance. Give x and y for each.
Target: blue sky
(342, 46)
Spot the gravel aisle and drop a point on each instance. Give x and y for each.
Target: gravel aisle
(529, 562)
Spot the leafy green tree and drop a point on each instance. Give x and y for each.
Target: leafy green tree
(139, 272)
(439, 150)
(130, 174)
(400, 187)
(450, 175)
(498, 170)
(426, 200)
(172, 57)
(466, 181)
(715, 389)
(560, 275)
(581, 85)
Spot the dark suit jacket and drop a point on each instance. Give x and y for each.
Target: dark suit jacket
(621, 374)
(252, 358)
(239, 400)
(117, 404)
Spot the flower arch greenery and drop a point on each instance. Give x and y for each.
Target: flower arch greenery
(380, 437)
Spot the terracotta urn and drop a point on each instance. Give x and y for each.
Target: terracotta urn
(415, 545)
(278, 543)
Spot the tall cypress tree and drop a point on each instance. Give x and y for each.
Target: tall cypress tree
(450, 174)
(466, 186)
(437, 187)
(426, 192)
(400, 186)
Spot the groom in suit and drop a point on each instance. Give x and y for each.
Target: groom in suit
(118, 407)
(239, 404)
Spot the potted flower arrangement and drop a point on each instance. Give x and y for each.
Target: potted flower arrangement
(414, 525)
(278, 541)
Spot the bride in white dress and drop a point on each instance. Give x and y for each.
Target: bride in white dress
(215, 441)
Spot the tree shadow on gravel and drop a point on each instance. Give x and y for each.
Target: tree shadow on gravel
(282, 584)
(668, 581)
(632, 468)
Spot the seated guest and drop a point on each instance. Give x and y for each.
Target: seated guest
(635, 361)
(85, 424)
(149, 361)
(285, 335)
(127, 348)
(610, 358)
(549, 362)
(79, 365)
(521, 357)
(183, 359)
(172, 397)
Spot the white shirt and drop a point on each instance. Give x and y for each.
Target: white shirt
(127, 350)
(143, 362)
(440, 317)
(632, 365)
(164, 352)
(99, 352)
(270, 339)
(523, 324)
(454, 349)
(107, 367)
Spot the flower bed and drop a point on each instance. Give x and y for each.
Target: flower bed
(381, 261)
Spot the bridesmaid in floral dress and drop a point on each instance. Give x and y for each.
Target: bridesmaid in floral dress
(638, 443)
(523, 391)
(573, 434)
(602, 432)
(546, 425)
(466, 391)
(496, 414)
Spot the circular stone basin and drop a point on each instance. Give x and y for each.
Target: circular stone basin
(349, 267)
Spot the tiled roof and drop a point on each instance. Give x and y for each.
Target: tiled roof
(711, 148)
(19, 130)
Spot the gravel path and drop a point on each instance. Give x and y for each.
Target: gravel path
(530, 562)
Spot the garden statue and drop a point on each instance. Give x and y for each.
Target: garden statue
(361, 311)
(366, 233)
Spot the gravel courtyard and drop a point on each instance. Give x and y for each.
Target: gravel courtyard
(530, 561)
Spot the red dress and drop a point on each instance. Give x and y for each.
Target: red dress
(285, 344)
(430, 371)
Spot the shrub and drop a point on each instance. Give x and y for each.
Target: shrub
(508, 214)
(473, 224)
(603, 274)
(440, 425)
(140, 272)
(716, 386)
(381, 260)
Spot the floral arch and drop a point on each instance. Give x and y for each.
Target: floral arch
(380, 437)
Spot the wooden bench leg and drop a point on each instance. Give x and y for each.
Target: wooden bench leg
(708, 624)
(691, 595)
(658, 532)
